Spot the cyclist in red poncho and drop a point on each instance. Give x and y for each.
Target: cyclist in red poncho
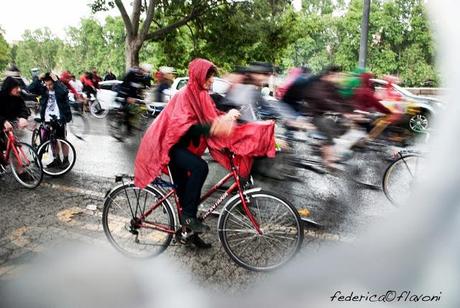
(188, 125)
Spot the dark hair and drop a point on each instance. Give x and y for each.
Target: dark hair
(212, 71)
(8, 84)
(47, 77)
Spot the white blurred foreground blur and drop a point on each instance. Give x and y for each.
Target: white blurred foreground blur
(410, 260)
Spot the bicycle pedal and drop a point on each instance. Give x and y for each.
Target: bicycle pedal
(184, 238)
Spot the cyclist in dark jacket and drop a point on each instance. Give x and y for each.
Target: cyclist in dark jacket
(61, 94)
(55, 109)
(12, 107)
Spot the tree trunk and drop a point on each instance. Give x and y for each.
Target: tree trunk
(133, 46)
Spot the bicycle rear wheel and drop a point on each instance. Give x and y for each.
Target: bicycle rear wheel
(400, 177)
(52, 157)
(26, 166)
(96, 109)
(123, 228)
(282, 231)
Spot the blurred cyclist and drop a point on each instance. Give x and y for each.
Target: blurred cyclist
(130, 90)
(165, 78)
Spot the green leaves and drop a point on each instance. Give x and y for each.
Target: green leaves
(38, 48)
(237, 32)
(5, 56)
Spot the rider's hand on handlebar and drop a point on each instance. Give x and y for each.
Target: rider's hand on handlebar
(232, 115)
(7, 126)
(222, 126)
(22, 123)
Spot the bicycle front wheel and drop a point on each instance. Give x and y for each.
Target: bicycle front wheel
(79, 126)
(57, 157)
(280, 239)
(26, 166)
(400, 177)
(115, 124)
(123, 227)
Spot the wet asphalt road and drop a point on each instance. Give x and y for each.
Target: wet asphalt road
(69, 208)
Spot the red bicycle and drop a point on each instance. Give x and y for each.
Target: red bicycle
(25, 164)
(258, 229)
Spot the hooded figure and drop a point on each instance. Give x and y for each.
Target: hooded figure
(172, 137)
(193, 105)
(11, 106)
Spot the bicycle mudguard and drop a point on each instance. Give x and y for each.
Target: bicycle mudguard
(232, 199)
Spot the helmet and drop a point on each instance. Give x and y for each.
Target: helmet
(167, 70)
(146, 67)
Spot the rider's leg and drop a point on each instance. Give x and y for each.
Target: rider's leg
(183, 162)
(62, 133)
(380, 126)
(325, 126)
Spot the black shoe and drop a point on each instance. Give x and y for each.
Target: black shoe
(65, 163)
(195, 225)
(199, 243)
(56, 163)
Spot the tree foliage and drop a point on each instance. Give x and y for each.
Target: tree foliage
(237, 32)
(5, 56)
(94, 45)
(38, 49)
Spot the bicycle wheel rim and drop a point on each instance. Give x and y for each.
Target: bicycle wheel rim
(281, 226)
(115, 126)
(47, 156)
(400, 177)
(117, 222)
(30, 174)
(97, 111)
(79, 126)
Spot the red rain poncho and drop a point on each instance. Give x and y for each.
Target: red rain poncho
(193, 105)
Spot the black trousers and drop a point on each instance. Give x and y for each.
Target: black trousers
(189, 173)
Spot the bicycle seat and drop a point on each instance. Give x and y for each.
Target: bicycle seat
(120, 177)
(317, 135)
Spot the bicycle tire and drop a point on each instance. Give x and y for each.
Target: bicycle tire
(35, 173)
(79, 126)
(115, 123)
(45, 156)
(401, 161)
(96, 110)
(110, 226)
(233, 213)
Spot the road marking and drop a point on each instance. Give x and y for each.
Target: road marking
(72, 189)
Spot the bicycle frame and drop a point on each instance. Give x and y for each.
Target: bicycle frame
(11, 146)
(235, 186)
